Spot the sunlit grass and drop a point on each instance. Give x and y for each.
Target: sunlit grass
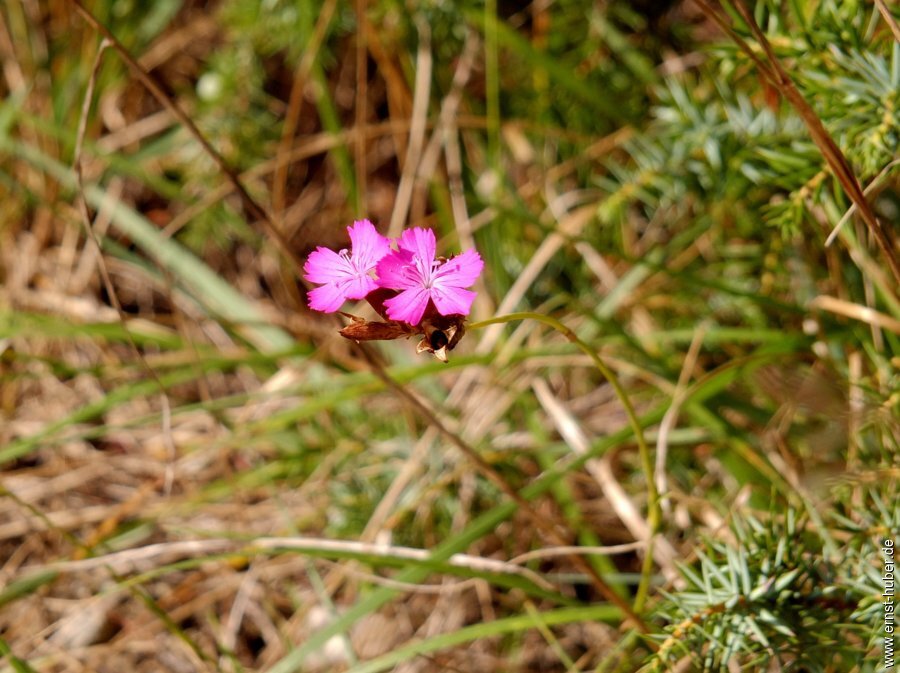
(688, 389)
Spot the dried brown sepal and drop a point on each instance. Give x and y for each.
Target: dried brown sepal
(365, 330)
(440, 333)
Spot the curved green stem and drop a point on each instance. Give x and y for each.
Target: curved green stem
(654, 515)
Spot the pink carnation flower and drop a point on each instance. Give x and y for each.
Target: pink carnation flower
(345, 275)
(420, 278)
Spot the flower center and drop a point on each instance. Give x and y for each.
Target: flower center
(351, 269)
(353, 266)
(426, 271)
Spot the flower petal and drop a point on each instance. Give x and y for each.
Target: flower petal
(368, 245)
(327, 298)
(421, 243)
(397, 271)
(461, 271)
(326, 266)
(452, 300)
(408, 306)
(359, 287)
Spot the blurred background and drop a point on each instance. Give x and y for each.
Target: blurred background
(199, 474)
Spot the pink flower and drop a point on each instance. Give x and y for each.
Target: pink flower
(345, 275)
(420, 278)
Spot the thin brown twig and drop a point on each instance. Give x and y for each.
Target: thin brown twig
(888, 18)
(362, 107)
(295, 102)
(778, 77)
(253, 207)
(876, 182)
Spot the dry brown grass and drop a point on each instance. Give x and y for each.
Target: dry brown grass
(139, 507)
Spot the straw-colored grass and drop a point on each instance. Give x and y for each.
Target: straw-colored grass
(674, 397)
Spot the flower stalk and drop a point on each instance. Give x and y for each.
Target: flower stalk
(654, 513)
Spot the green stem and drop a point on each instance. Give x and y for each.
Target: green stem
(654, 515)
